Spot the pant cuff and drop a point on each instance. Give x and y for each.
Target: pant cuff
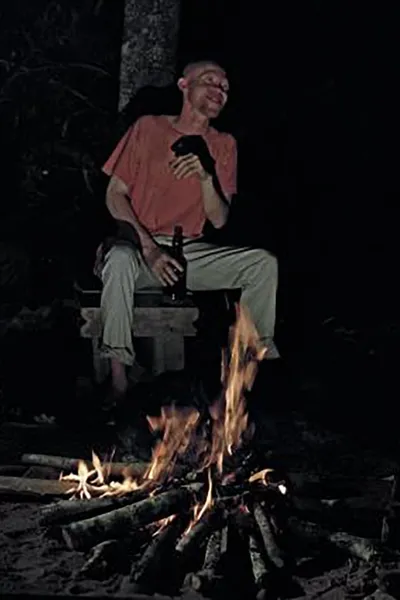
(123, 355)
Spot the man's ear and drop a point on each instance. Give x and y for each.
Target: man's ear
(182, 84)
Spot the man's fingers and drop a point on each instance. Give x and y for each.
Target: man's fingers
(175, 264)
(164, 278)
(182, 160)
(186, 172)
(185, 167)
(167, 273)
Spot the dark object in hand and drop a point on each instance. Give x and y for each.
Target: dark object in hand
(178, 290)
(195, 144)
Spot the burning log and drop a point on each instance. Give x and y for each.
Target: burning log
(198, 534)
(64, 463)
(38, 489)
(88, 532)
(271, 547)
(204, 581)
(145, 572)
(65, 511)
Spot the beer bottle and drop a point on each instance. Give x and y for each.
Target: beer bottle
(178, 290)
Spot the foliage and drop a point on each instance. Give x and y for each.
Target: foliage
(58, 98)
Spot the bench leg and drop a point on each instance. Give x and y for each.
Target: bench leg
(101, 365)
(168, 353)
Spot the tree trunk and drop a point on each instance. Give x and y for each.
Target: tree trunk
(149, 45)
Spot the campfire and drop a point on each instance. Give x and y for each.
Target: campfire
(173, 522)
(196, 486)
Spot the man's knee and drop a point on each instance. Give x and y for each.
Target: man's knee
(266, 263)
(122, 259)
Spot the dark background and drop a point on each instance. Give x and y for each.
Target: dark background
(314, 109)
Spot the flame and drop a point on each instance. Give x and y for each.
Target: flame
(198, 510)
(229, 412)
(81, 491)
(263, 478)
(163, 524)
(178, 426)
(97, 479)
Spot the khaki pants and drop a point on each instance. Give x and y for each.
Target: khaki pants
(209, 267)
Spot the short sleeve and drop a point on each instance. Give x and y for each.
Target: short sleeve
(124, 159)
(226, 165)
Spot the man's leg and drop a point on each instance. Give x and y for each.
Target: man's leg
(124, 271)
(255, 271)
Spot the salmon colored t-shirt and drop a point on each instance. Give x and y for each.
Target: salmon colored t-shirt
(159, 200)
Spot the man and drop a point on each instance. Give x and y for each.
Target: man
(153, 190)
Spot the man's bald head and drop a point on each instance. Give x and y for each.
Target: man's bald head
(205, 88)
(194, 68)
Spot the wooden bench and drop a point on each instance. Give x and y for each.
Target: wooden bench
(155, 316)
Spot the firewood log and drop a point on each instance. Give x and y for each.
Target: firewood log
(38, 489)
(195, 538)
(258, 565)
(204, 581)
(103, 559)
(146, 571)
(356, 546)
(319, 486)
(88, 532)
(67, 464)
(272, 549)
(66, 511)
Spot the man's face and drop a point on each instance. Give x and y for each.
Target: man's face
(207, 90)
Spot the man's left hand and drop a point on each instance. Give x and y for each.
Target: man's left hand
(188, 165)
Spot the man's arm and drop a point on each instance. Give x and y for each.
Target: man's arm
(216, 191)
(119, 206)
(216, 207)
(163, 265)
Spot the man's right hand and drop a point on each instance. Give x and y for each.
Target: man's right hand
(163, 265)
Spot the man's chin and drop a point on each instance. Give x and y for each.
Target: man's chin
(211, 112)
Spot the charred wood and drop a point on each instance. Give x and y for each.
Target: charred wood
(37, 489)
(64, 463)
(205, 580)
(318, 486)
(356, 546)
(258, 565)
(272, 549)
(195, 538)
(88, 532)
(66, 511)
(147, 570)
(104, 559)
